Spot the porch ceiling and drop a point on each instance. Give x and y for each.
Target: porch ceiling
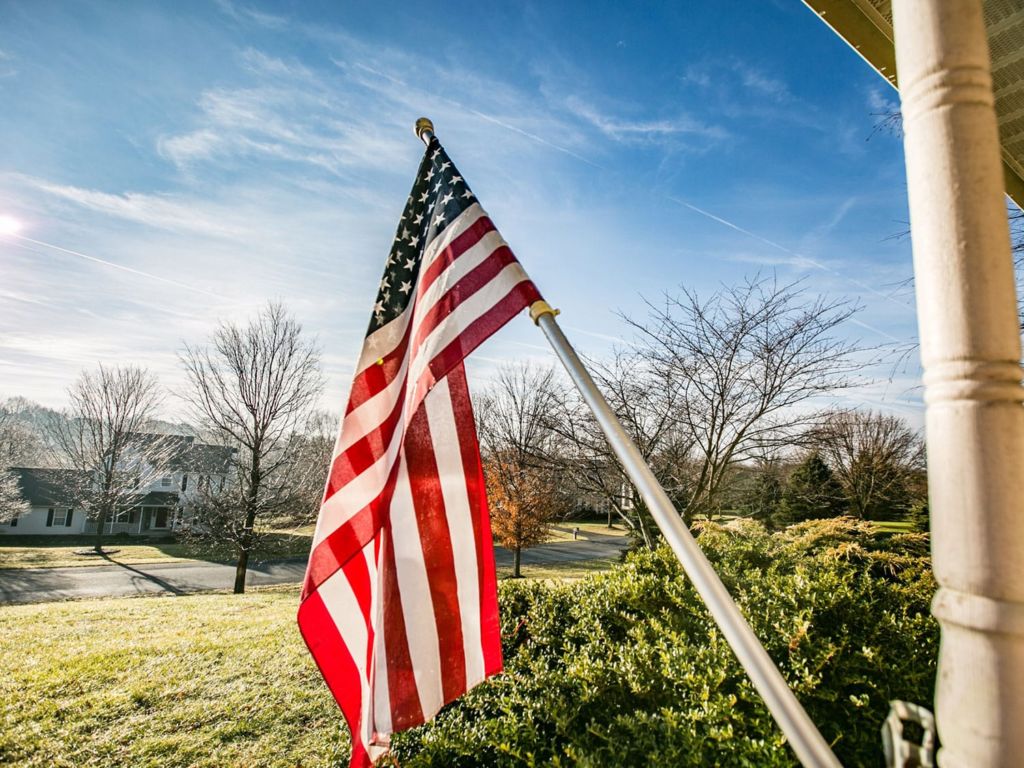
(867, 26)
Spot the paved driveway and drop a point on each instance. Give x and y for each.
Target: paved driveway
(36, 585)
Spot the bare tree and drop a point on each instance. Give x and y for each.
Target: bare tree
(102, 436)
(253, 386)
(21, 441)
(749, 361)
(646, 399)
(876, 458)
(524, 484)
(12, 503)
(311, 456)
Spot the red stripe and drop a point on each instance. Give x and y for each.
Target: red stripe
(490, 622)
(365, 451)
(469, 284)
(405, 700)
(348, 539)
(476, 333)
(466, 239)
(333, 657)
(435, 540)
(375, 378)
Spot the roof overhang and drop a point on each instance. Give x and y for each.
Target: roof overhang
(866, 25)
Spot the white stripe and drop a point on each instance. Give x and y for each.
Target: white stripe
(460, 267)
(364, 488)
(417, 604)
(381, 692)
(371, 414)
(447, 451)
(343, 608)
(379, 343)
(463, 317)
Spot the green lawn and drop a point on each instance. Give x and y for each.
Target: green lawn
(202, 680)
(58, 551)
(563, 531)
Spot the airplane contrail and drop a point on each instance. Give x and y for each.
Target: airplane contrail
(114, 265)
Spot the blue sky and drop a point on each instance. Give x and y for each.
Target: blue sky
(230, 153)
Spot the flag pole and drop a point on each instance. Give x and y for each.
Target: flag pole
(808, 743)
(811, 748)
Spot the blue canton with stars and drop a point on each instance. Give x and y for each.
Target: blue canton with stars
(439, 195)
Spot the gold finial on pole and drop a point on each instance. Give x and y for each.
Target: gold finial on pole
(424, 130)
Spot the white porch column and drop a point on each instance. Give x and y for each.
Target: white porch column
(970, 348)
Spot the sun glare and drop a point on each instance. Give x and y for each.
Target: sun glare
(9, 225)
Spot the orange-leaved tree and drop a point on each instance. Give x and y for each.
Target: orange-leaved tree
(523, 500)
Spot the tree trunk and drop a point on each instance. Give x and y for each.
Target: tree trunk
(98, 541)
(609, 516)
(240, 568)
(515, 563)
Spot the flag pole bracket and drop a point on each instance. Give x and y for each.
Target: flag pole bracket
(541, 307)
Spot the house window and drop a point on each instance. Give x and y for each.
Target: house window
(67, 522)
(14, 522)
(56, 517)
(160, 517)
(166, 482)
(184, 483)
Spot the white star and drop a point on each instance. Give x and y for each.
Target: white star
(440, 216)
(413, 240)
(430, 174)
(405, 233)
(405, 287)
(410, 263)
(447, 198)
(467, 194)
(424, 196)
(385, 283)
(445, 165)
(418, 219)
(456, 179)
(439, 183)
(386, 295)
(378, 307)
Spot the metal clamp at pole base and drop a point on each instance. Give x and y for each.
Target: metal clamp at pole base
(541, 307)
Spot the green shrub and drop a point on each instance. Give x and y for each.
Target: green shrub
(627, 668)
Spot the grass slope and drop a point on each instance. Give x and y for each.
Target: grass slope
(62, 551)
(206, 680)
(203, 680)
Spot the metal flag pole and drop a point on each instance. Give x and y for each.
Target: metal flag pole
(809, 745)
(811, 748)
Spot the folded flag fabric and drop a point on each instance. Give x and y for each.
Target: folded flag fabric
(399, 605)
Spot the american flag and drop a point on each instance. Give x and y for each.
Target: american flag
(399, 605)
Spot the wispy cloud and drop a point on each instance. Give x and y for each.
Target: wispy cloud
(641, 130)
(245, 14)
(158, 211)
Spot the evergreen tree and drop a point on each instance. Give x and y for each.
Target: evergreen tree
(812, 492)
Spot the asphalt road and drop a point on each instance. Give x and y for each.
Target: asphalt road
(38, 585)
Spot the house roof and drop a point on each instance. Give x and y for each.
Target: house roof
(49, 487)
(184, 454)
(866, 25)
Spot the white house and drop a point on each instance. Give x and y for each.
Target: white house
(163, 502)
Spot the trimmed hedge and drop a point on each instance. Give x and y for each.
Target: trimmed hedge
(627, 668)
